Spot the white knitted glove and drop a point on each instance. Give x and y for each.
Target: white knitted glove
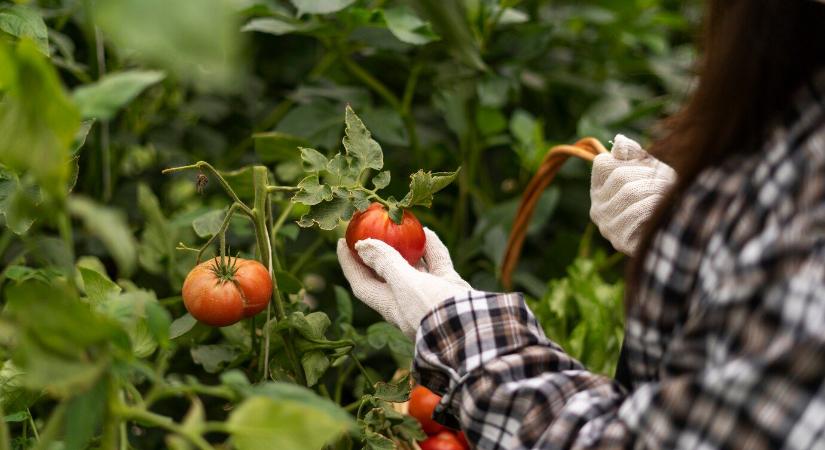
(625, 187)
(406, 293)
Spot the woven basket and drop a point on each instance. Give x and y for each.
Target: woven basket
(585, 149)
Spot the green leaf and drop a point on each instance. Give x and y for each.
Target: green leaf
(18, 202)
(277, 146)
(328, 214)
(98, 287)
(110, 226)
(375, 441)
(405, 25)
(103, 98)
(279, 26)
(381, 180)
(84, 415)
(38, 122)
(287, 283)
(50, 347)
(320, 6)
(383, 334)
(359, 145)
(394, 392)
(285, 422)
(24, 22)
(14, 396)
(319, 122)
(156, 252)
(343, 303)
(215, 358)
(315, 364)
(312, 192)
(136, 310)
(181, 326)
(197, 47)
(208, 224)
(423, 185)
(314, 161)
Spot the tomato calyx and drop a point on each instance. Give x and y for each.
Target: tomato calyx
(224, 269)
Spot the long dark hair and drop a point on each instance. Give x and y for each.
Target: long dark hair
(755, 54)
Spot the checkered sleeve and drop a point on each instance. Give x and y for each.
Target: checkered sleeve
(510, 386)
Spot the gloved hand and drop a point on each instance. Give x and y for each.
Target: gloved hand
(403, 294)
(625, 187)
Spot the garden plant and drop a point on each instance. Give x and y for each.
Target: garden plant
(174, 177)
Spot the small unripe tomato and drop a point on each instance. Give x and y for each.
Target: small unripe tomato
(375, 223)
(444, 440)
(422, 404)
(221, 292)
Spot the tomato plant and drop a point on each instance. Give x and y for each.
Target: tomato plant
(246, 109)
(407, 236)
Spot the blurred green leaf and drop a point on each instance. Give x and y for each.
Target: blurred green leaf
(208, 224)
(109, 225)
(14, 395)
(404, 24)
(286, 416)
(38, 122)
(287, 282)
(216, 357)
(18, 202)
(84, 415)
(22, 21)
(178, 36)
(320, 6)
(103, 98)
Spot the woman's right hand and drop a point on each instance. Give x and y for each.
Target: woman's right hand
(625, 188)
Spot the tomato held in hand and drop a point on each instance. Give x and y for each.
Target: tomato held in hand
(220, 293)
(444, 440)
(375, 222)
(463, 439)
(422, 403)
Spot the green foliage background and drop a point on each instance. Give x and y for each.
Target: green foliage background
(98, 96)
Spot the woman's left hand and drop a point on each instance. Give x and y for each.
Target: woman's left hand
(403, 294)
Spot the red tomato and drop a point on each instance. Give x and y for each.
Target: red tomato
(422, 403)
(374, 222)
(463, 439)
(444, 440)
(222, 293)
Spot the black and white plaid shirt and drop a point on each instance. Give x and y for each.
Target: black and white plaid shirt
(725, 347)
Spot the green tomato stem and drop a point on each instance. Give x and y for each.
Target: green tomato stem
(203, 165)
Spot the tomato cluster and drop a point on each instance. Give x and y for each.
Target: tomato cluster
(422, 403)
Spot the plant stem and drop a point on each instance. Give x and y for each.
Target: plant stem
(33, 425)
(221, 231)
(201, 165)
(130, 413)
(363, 371)
(371, 82)
(5, 443)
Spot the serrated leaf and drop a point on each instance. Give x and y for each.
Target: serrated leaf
(314, 161)
(405, 25)
(24, 22)
(312, 192)
(359, 145)
(394, 392)
(375, 441)
(343, 169)
(423, 185)
(381, 180)
(320, 6)
(328, 214)
(103, 98)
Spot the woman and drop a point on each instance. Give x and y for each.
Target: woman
(725, 336)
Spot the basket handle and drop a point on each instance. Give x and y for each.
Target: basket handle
(586, 149)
